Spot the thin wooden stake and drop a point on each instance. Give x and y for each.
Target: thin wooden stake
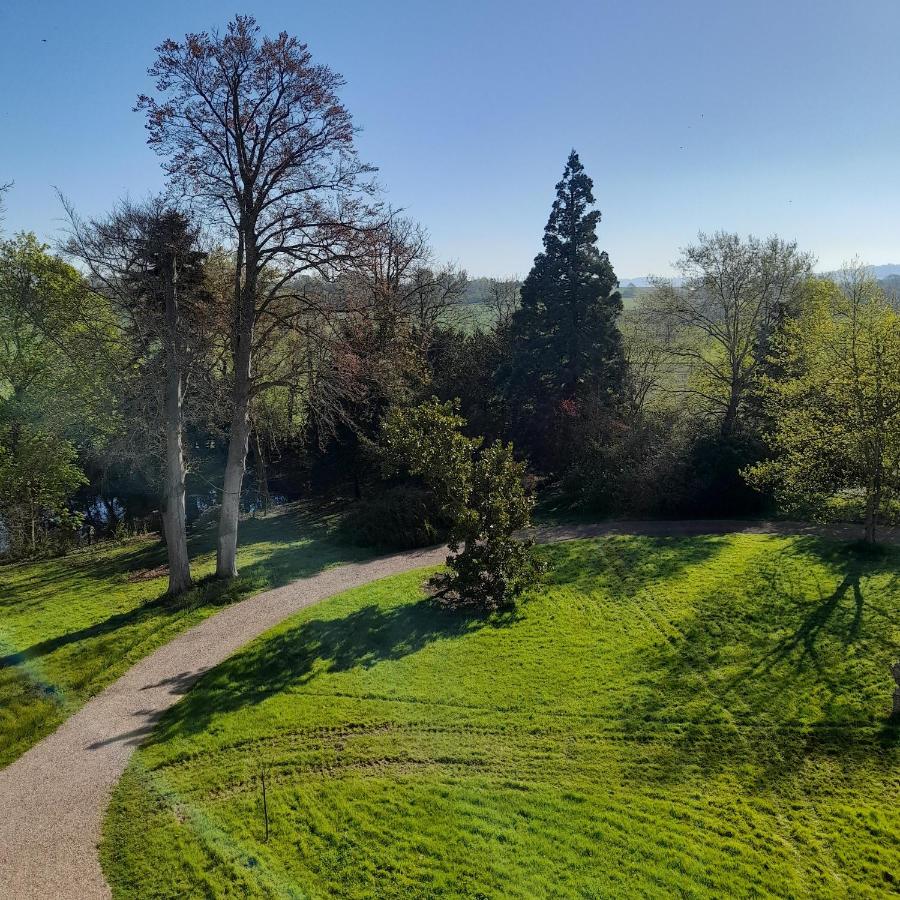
(265, 805)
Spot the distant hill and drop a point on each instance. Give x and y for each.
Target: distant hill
(888, 276)
(887, 271)
(891, 285)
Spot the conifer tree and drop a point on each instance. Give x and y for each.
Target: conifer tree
(567, 361)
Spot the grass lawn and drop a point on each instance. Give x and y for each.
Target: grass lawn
(694, 717)
(70, 626)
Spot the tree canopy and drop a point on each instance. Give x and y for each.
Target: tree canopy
(835, 404)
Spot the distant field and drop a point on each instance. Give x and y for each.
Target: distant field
(694, 717)
(70, 626)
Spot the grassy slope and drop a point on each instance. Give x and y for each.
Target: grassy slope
(70, 626)
(702, 716)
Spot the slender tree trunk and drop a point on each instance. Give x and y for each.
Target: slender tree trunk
(235, 465)
(174, 514)
(262, 478)
(33, 517)
(239, 433)
(873, 505)
(729, 420)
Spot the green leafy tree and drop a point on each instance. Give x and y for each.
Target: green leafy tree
(428, 439)
(38, 475)
(483, 494)
(56, 409)
(52, 366)
(488, 566)
(835, 404)
(566, 350)
(145, 261)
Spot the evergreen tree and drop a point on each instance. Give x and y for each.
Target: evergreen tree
(567, 361)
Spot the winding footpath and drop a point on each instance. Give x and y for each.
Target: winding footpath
(54, 797)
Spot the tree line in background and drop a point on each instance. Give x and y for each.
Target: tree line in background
(269, 327)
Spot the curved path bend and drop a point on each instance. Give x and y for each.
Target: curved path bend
(53, 798)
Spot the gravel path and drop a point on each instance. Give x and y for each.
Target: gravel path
(53, 798)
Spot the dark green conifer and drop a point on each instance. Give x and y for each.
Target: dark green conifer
(567, 359)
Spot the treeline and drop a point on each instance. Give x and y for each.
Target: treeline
(269, 328)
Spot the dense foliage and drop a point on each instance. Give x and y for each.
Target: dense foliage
(565, 358)
(835, 402)
(248, 343)
(482, 493)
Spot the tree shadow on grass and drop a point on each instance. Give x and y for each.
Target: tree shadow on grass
(314, 520)
(207, 593)
(764, 687)
(297, 656)
(281, 566)
(287, 564)
(623, 564)
(77, 570)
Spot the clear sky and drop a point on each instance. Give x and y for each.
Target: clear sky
(749, 115)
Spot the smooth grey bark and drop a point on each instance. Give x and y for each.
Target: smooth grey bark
(235, 466)
(239, 432)
(174, 516)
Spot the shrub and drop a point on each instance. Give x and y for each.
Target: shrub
(488, 567)
(481, 493)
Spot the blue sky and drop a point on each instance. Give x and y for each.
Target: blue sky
(757, 116)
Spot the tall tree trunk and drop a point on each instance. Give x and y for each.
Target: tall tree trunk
(729, 420)
(262, 478)
(174, 515)
(33, 517)
(873, 505)
(239, 433)
(235, 465)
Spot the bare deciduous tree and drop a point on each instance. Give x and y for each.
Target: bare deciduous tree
(255, 133)
(645, 356)
(502, 299)
(386, 307)
(396, 282)
(717, 323)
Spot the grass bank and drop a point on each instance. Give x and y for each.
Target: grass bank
(700, 716)
(70, 626)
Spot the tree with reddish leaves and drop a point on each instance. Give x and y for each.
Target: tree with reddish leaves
(254, 133)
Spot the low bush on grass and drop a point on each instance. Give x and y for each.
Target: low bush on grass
(482, 493)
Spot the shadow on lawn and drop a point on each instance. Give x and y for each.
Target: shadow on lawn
(80, 569)
(623, 564)
(307, 549)
(764, 687)
(299, 655)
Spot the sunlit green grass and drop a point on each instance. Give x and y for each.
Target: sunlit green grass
(695, 717)
(70, 626)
